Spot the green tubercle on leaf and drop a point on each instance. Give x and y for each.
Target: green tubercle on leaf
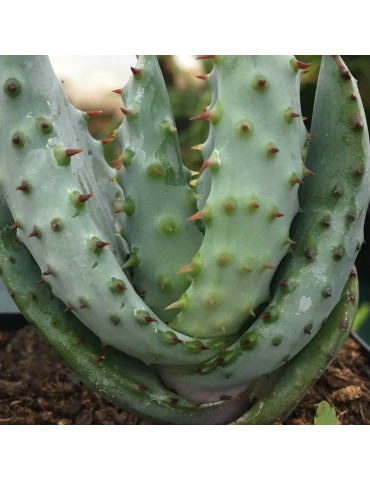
(271, 150)
(97, 245)
(338, 253)
(276, 341)
(229, 206)
(12, 87)
(246, 266)
(308, 328)
(115, 320)
(60, 156)
(260, 83)
(164, 282)
(227, 358)
(117, 286)
(125, 159)
(168, 337)
(216, 113)
(129, 206)
(224, 259)
(167, 226)
(195, 346)
(213, 299)
(244, 128)
(144, 317)
(18, 140)
(270, 315)
(56, 225)
(78, 200)
(182, 303)
(36, 232)
(155, 170)
(249, 340)
(207, 214)
(167, 128)
(290, 115)
(43, 125)
(25, 187)
(196, 264)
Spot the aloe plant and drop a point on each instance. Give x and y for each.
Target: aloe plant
(188, 304)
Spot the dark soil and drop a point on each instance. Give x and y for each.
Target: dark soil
(36, 388)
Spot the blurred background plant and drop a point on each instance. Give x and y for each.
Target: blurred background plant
(189, 94)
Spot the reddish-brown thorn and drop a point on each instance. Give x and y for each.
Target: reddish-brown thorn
(309, 173)
(69, 152)
(357, 122)
(100, 244)
(266, 315)
(185, 269)
(113, 134)
(119, 287)
(205, 57)
(48, 272)
(196, 216)
(148, 319)
(250, 311)
(289, 241)
(205, 165)
(297, 180)
(302, 65)
(118, 90)
(247, 270)
(84, 198)
(244, 127)
(94, 113)
(202, 76)
(69, 308)
(345, 73)
(203, 116)
(136, 71)
(107, 140)
(15, 225)
(276, 214)
(125, 111)
(117, 161)
(24, 186)
(269, 265)
(201, 348)
(40, 282)
(34, 233)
